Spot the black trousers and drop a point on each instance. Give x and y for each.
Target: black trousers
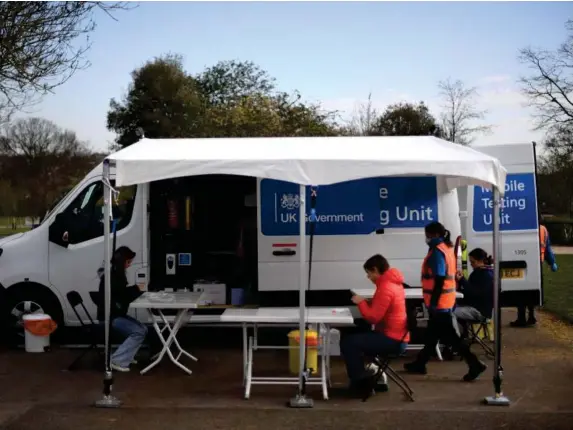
(521, 312)
(442, 326)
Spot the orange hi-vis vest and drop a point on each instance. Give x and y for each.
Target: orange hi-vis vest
(447, 298)
(543, 234)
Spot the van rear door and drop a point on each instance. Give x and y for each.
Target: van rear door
(520, 265)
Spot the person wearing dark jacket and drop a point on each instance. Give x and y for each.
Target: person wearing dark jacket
(121, 296)
(477, 304)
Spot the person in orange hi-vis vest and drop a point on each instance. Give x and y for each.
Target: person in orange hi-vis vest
(546, 255)
(439, 291)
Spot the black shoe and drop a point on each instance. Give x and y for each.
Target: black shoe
(381, 388)
(518, 323)
(362, 388)
(448, 354)
(474, 371)
(531, 322)
(415, 367)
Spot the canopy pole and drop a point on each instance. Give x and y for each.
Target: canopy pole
(498, 398)
(107, 400)
(300, 400)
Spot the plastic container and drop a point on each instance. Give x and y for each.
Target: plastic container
(311, 338)
(481, 333)
(37, 331)
(334, 346)
(237, 296)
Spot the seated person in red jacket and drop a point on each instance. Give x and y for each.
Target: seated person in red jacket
(387, 312)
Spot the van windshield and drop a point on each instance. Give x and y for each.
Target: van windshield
(56, 203)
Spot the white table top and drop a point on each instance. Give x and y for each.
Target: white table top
(411, 293)
(167, 300)
(340, 316)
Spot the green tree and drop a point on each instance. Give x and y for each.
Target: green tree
(243, 101)
(229, 82)
(230, 99)
(250, 116)
(405, 119)
(162, 101)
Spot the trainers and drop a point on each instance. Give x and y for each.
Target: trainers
(415, 367)
(474, 371)
(531, 321)
(119, 368)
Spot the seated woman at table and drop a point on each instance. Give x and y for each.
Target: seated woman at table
(121, 296)
(477, 303)
(387, 311)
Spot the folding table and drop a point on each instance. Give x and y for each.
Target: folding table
(184, 303)
(325, 318)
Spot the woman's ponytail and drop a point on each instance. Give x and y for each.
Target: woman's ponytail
(448, 238)
(437, 229)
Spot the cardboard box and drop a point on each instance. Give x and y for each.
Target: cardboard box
(213, 294)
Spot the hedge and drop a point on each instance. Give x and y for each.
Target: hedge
(560, 231)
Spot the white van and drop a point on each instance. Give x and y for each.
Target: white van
(520, 248)
(244, 232)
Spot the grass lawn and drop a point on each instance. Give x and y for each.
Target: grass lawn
(8, 231)
(558, 287)
(6, 226)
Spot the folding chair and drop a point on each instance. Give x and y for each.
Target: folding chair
(481, 335)
(92, 329)
(382, 361)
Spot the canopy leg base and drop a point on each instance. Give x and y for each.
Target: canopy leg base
(108, 402)
(300, 401)
(497, 400)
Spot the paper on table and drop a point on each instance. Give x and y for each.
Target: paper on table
(160, 297)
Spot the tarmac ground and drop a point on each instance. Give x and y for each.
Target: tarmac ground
(39, 394)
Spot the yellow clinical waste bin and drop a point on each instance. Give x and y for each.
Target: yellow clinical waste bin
(311, 338)
(481, 333)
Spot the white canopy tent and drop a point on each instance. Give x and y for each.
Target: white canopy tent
(304, 161)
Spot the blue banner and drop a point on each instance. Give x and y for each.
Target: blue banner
(351, 208)
(518, 206)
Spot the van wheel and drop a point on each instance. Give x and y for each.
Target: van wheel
(24, 300)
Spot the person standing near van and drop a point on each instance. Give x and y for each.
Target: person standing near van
(439, 290)
(121, 296)
(547, 256)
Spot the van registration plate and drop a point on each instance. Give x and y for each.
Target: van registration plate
(512, 273)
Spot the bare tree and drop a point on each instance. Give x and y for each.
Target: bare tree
(549, 87)
(460, 116)
(363, 118)
(39, 47)
(40, 159)
(37, 137)
(555, 187)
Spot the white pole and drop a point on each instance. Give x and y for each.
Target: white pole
(107, 258)
(107, 401)
(302, 286)
(498, 398)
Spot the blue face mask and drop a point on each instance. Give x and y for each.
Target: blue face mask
(428, 240)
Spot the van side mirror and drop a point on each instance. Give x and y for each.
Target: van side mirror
(58, 232)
